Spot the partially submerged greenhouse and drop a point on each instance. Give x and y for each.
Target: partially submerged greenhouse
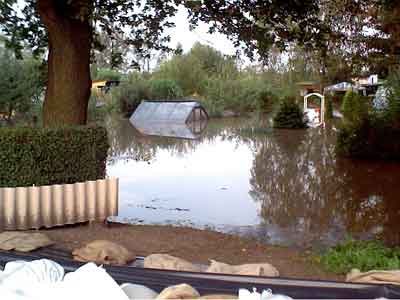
(181, 119)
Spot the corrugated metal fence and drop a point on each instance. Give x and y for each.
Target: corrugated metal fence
(48, 206)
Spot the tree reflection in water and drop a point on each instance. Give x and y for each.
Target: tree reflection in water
(312, 197)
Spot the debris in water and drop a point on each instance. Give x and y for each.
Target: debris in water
(180, 209)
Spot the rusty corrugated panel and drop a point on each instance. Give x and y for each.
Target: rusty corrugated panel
(47, 206)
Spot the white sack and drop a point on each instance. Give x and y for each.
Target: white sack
(43, 280)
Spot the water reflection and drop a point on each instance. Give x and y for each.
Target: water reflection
(284, 187)
(190, 131)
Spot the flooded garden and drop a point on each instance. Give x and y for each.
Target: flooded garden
(284, 187)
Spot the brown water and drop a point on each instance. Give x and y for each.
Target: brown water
(281, 186)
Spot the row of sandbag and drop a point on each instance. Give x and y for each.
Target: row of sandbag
(110, 253)
(106, 252)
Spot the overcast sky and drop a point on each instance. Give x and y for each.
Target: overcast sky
(182, 34)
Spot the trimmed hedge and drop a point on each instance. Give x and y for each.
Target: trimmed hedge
(46, 156)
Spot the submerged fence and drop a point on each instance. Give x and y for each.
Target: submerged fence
(48, 206)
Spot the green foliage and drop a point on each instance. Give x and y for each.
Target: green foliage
(105, 74)
(238, 95)
(393, 88)
(96, 109)
(214, 78)
(164, 89)
(130, 93)
(21, 84)
(290, 115)
(372, 134)
(354, 107)
(328, 107)
(362, 255)
(190, 70)
(372, 138)
(32, 156)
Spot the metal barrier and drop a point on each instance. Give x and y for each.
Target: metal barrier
(24, 208)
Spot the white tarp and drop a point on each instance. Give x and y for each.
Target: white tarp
(44, 280)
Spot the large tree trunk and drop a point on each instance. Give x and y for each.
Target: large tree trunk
(68, 86)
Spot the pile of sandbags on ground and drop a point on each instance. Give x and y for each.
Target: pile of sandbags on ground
(106, 252)
(168, 262)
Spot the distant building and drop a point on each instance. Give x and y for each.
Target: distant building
(369, 84)
(104, 86)
(365, 80)
(308, 87)
(341, 88)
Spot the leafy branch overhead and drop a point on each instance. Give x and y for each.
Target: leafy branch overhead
(68, 30)
(259, 24)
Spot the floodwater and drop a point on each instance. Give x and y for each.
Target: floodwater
(283, 187)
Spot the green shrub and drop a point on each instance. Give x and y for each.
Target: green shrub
(100, 105)
(45, 156)
(354, 107)
(105, 74)
(362, 255)
(371, 134)
(165, 89)
(372, 138)
(290, 115)
(393, 88)
(130, 93)
(239, 95)
(191, 69)
(328, 108)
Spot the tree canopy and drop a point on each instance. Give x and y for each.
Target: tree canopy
(68, 31)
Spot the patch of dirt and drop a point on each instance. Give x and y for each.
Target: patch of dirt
(197, 246)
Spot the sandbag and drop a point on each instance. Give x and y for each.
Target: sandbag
(374, 276)
(180, 291)
(262, 269)
(104, 252)
(23, 241)
(169, 262)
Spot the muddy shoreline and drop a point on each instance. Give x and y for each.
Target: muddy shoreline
(197, 246)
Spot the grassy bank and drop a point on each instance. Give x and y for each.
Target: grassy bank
(362, 255)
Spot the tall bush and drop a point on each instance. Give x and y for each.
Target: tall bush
(328, 107)
(164, 89)
(372, 138)
(191, 69)
(393, 88)
(370, 135)
(131, 92)
(239, 95)
(21, 84)
(290, 115)
(45, 156)
(354, 107)
(105, 74)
